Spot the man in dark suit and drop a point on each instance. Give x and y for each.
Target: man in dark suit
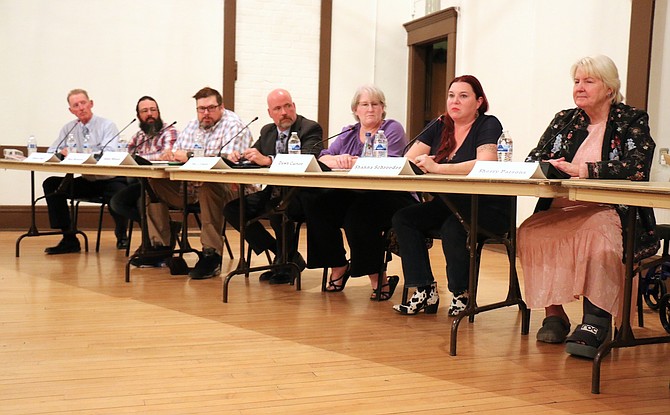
(274, 140)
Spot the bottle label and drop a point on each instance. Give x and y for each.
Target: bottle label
(503, 148)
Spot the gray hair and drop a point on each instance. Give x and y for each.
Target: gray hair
(374, 93)
(603, 68)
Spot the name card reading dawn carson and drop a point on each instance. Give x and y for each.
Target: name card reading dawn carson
(41, 158)
(204, 163)
(116, 158)
(78, 158)
(506, 170)
(382, 166)
(294, 163)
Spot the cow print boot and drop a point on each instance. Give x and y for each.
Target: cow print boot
(424, 298)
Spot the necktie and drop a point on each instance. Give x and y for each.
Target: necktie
(84, 129)
(280, 146)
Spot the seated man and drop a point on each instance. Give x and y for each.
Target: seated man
(221, 131)
(273, 140)
(150, 142)
(99, 132)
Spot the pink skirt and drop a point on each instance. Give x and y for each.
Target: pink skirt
(573, 251)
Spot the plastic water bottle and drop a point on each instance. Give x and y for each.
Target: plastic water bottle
(122, 144)
(71, 144)
(505, 147)
(86, 144)
(32, 145)
(198, 146)
(381, 144)
(367, 146)
(294, 144)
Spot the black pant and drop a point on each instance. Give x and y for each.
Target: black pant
(126, 202)
(364, 216)
(59, 214)
(415, 223)
(257, 204)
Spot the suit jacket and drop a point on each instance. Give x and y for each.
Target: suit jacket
(310, 133)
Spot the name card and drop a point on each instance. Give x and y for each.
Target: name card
(506, 170)
(116, 158)
(294, 163)
(79, 158)
(382, 166)
(42, 158)
(204, 163)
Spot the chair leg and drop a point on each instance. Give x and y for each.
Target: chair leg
(130, 236)
(226, 243)
(324, 279)
(102, 212)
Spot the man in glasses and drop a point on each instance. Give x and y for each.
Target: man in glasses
(152, 139)
(274, 140)
(95, 132)
(219, 131)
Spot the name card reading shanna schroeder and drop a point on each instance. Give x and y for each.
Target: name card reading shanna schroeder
(41, 158)
(381, 166)
(116, 158)
(294, 163)
(506, 170)
(204, 163)
(78, 158)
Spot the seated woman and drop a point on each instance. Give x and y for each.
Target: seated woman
(452, 146)
(364, 215)
(574, 249)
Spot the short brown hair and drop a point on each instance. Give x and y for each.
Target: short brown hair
(208, 92)
(75, 92)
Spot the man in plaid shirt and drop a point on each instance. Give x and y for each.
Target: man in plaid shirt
(218, 127)
(152, 139)
(145, 142)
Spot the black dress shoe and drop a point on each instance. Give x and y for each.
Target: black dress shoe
(209, 265)
(65, 246)
(153, 257)
(122, 243)
(266, 276)
(280, 278)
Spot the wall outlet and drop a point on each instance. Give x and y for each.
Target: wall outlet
(663, 153)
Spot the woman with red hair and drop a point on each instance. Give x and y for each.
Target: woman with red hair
(452, 146)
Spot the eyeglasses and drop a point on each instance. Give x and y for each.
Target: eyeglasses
(147, 110)
(211, 108)
(367, 105)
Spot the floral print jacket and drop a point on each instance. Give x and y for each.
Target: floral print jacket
(627, 153)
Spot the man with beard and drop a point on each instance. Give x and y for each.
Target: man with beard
(221, 131)
(98, 132)
(273, 140)
(148, 144)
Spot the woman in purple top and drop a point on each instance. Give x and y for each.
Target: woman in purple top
(364, 215)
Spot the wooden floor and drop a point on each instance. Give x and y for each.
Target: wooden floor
(76, 339)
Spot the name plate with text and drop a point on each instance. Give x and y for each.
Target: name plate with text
(294, 163)
(382, 166)
(41, 158)
(204, 163)
(116, 158)
(506, 170)
(79, 158)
